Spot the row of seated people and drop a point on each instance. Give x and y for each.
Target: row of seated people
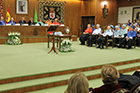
(30, 22)
(111, 78)
(121, 37)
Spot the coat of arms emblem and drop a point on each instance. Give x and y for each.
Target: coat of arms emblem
(52, 13)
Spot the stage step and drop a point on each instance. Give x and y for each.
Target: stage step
(12, 79)
(43, 83)
(60, 89)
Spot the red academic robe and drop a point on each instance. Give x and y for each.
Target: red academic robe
(106, 89)
(56, 23)
(88, 30)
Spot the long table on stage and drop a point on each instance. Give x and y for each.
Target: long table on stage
(29, 34)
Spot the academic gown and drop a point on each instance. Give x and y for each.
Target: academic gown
(83, 37)
(2, 22)
(12, 22)
(92, 38)
(22, 22)
(131, 35)
(102, 40)
(31, 23)
(116, 37)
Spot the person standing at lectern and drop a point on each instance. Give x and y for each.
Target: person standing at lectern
(22, 21)
(31, 22)
(2, 22)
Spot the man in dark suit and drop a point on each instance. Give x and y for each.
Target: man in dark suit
(31, 22)
(22, 21)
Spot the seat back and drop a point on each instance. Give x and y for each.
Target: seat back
(121, 90)
(136, 89)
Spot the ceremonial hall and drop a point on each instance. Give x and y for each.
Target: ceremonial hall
(70, 46)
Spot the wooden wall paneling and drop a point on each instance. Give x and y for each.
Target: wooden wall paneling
(122, 3)
(72, 12)
(112, 13)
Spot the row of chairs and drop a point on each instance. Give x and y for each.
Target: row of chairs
(135, 89)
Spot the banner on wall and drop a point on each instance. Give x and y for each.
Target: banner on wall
(52, 9)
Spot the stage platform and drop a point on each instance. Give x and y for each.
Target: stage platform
(32, 61)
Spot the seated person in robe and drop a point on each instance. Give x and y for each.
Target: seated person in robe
(22, 21)
(110, 77)
(103, 38)
(83, 37)
(56, 22)
(40, 22)
(31, 22)
(122, 33)
(12, 22)
(130, 38)
(95, 34)
(49, 22)
(2, 22)
(138, 38)
(129, 23)
(116, 36)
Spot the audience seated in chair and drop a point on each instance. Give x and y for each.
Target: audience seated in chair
(129, 39)
(116, 36)
(78, 83)
(103, 38)
(122, 33)
(110, 77)
(84, 36)
(94, 36)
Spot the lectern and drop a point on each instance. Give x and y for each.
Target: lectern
(52, 29)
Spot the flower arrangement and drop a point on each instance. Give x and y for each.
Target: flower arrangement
(66, 46)
(14, 39)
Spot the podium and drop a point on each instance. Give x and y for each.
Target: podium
(52, 29)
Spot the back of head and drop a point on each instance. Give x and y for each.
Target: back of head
(110, 75)
(78, 83)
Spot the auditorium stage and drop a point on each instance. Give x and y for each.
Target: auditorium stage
(31, 59)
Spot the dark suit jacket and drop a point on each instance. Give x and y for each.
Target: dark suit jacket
(31, 23)
(22, 22)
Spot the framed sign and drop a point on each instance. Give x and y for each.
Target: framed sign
(21, 6)
(136, 13)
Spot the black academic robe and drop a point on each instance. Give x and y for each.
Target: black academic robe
(22, 22)
(31, 23)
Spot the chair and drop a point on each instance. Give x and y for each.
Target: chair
(121, 90)
(136, 89)
(110, 41)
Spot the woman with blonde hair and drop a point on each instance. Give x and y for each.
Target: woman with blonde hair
(78, 83)
(110, 77)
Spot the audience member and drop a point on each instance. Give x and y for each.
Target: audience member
(83, 37)
(110, 77)
(95, 34)
(103, 38)
(78, 83)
